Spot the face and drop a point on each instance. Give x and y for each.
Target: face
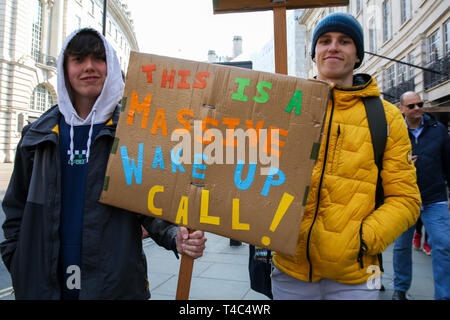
(336, 56)
(86, 76)
(412, 99)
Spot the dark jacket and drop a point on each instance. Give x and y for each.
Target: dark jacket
(432, 148)
(113, 263)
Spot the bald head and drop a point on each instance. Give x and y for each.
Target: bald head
(411, 106)
(407, 96)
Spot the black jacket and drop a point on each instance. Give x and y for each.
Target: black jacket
(113, 262)
(433, 162)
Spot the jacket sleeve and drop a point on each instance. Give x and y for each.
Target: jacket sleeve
(402, 199)
(15, 200)
(162, 232)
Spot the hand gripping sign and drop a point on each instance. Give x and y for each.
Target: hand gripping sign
(216, 148)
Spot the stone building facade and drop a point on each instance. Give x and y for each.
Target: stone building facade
(416, 32)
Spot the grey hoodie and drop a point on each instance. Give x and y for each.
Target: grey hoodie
(106, 101)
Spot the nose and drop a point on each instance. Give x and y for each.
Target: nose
(334, 45)
(88, 63)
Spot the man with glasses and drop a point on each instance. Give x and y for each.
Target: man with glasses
(431, 154)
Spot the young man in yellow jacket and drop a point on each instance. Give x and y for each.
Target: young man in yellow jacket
(342, 234)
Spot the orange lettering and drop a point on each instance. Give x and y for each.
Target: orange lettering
(186, 124)
(210, 137)
(149, 69)
(136, 106)
(267, 147)
(159, 122)
(183, 84)
(200, 77)
(166, 78)
(259, 126)
(231, 123)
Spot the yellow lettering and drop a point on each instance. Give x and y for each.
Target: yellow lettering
(151, 204)
(204, 204)
(182, 213)
(235, 224)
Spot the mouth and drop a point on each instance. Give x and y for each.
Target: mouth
(332, 58)
(90, 79)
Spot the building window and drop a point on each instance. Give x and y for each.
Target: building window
(20, 122)
(387, 26)
(405, 10)
(389, 78)
(447, 36)
(41, 99)
(78, 21)
(92, 7)
(434, 46)
(372, 36)
(358, 6)
(411, 69)
(36, 32)
(401, 72)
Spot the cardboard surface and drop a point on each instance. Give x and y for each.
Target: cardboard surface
(228, 6)
(236, 200)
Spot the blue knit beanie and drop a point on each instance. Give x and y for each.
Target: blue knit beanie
(341, 22)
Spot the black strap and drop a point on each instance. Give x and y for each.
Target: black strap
(378, 131)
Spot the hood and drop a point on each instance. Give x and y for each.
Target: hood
(108, 99)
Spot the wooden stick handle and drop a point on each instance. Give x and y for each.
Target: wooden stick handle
(280, 40)
(185, 276)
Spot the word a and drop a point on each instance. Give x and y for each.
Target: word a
(74, 279)
(374, 281)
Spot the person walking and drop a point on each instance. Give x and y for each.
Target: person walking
(431, 151)
(60, 242)
(342, 235)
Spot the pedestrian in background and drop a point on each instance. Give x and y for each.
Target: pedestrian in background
(60, 242)
(431, 151)
(342, 234)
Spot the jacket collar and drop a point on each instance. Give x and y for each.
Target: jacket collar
(46, 128)
(363, 86)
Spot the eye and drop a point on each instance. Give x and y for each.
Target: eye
(346, 41)
(76, 58)
(324, 41)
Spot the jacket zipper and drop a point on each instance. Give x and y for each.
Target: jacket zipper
(335, 148)
(320, 186)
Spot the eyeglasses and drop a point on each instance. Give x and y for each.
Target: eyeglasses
(413, 105)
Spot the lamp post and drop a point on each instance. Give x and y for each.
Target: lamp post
(105, 6)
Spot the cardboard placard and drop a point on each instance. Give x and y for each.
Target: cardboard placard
(216, 148)
(228, 6)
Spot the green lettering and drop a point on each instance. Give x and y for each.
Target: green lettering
(240, 94)
(264, 96)
(296, 102)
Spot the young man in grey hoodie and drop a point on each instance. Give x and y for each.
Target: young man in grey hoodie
(60, 242)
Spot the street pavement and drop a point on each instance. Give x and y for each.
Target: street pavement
(222, 272)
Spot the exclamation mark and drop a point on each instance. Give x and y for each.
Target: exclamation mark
(285, 202)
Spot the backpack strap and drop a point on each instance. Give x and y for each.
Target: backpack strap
(378, 131)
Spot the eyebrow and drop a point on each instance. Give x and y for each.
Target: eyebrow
(343, 36)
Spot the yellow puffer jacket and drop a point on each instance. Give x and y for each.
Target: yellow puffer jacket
(341, 200)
